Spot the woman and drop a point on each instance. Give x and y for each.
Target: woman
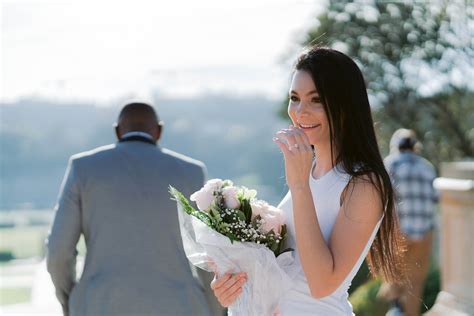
(340, 205)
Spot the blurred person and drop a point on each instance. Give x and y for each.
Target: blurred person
(117, 197)
(413, 178)
(340, 207)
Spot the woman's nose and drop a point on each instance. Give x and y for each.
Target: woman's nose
(302, 108)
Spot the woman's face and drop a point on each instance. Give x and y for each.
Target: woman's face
(306, 110)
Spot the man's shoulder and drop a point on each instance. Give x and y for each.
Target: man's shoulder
(183, 159)
(426, 166)
(93, 153)
(391, 159)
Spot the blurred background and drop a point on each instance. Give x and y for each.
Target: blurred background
(217, 73)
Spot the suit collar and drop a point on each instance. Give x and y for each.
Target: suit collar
(137, 138)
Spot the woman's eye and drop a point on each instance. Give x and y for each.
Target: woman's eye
(293, 98)
(316, 100)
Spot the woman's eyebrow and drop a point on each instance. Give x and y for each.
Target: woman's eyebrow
(309, 93)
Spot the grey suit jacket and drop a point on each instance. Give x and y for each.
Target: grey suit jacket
(117, 197)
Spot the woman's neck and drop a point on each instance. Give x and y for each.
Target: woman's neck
(324, 161)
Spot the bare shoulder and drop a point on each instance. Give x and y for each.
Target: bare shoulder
(361, 200)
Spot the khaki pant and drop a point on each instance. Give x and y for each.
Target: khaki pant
(417, 261)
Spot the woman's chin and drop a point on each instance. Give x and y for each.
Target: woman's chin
(312, 135)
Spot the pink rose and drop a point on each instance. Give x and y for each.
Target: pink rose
(230, 197)
(214, 185)
(273, 219)
(259, 207)
(203, 199)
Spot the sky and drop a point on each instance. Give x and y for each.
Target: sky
(104, 50)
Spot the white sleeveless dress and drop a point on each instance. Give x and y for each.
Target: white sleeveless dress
(326, 193)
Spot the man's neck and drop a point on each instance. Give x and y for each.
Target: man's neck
(137, 133)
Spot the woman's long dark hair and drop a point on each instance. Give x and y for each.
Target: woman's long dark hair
(342, 91)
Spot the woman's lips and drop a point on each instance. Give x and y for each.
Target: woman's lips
(309, 127)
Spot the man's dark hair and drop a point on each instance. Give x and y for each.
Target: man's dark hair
(138, 116)
(407, 144)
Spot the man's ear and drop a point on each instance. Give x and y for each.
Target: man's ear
(117, 131)
(159, 130)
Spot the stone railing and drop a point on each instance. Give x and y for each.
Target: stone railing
(456, 186)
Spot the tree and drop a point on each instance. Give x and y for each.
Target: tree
(417, 59)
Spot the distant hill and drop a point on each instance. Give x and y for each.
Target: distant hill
(232, 135)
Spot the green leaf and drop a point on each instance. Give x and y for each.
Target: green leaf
(188, 209)
(221, 228)
(286, 250)
(215, 215)
(283, 231)
(246, 209)
(274, 246)
(241, 215)
(232, 237)
(283, 235)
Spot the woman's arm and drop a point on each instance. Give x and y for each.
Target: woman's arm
(326, 265)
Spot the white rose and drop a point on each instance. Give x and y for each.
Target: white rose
(230, 197)
(249, 194)
(213, 185)
(203, 199)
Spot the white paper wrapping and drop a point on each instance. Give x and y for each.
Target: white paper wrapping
(267, 280)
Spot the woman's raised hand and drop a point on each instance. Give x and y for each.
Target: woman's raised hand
(298, 154)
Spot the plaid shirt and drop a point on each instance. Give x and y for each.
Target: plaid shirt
(413, 177)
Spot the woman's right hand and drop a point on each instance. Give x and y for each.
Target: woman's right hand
(228, 287)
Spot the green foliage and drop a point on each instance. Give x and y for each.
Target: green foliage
(246, 209)
(362, 276)
(365, 302)
(393, 42)
(6, 256)
(280, 245)
(187, 207)
(241, 215)
(432, 288)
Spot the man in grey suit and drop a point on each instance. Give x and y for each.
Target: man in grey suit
(117, 197)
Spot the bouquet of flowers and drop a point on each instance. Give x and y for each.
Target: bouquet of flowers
(234, 231)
